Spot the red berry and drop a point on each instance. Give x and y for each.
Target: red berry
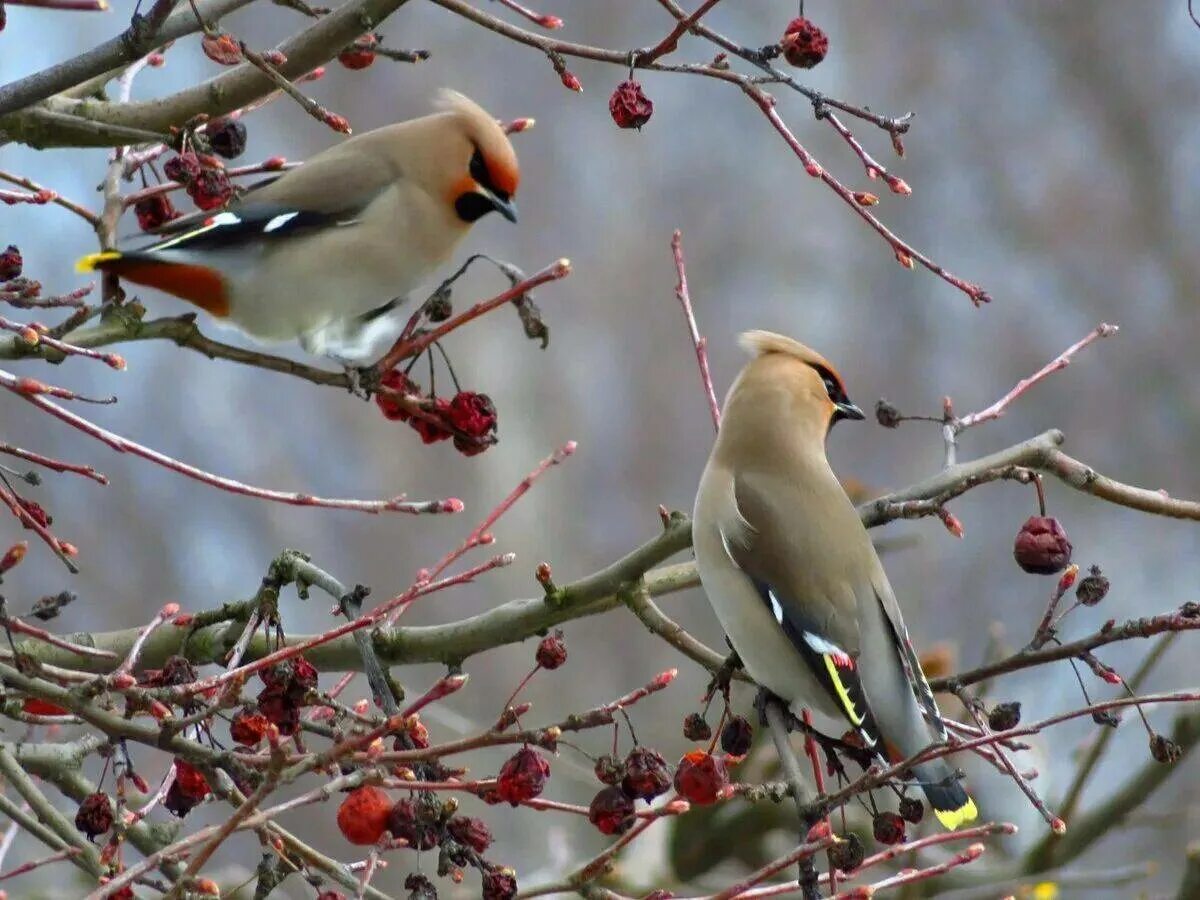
(609, 769)
(397, 381)
(360, 54)
(551, 651)
(11, 263)
(35, 706)
(433, 431)
(221, 48)
(611, 811)
(154, 212)
(183, 168)
(912, 810)
(629, 106)
(210, 189)
(803, 43)
(499, 883)
(331, 895)
(848, 854)
(36, 512)
(473, 414)
(406, 820)
(248, 728)
(474, 833)
(191, 780)
(95, 815)
(363, 816)
(737, 736)
(700, 777)
(522, 777)
(888, 828)
(695, 728)
(1042, 547)
(646, 774)
(280, 709)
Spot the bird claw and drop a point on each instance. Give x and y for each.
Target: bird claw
(362, 381)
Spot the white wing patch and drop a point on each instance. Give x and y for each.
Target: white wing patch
(279, 221)
(225, 218)
(776, 607)
(818, 643)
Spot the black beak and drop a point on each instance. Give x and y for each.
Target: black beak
(847, 410)
(504, 206)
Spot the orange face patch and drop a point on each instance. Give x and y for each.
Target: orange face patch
(504, 178)
(464, 185)
(199, 285)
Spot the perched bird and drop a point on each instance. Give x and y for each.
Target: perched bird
(793, 576)
(320, 251)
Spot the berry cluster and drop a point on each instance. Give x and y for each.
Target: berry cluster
(468, 417)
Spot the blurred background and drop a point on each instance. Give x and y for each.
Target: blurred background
(1053, 159)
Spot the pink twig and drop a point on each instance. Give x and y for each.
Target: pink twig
(85, 214)
(168, 612)
(65, 853)
(72, 5)
(32, 337)
(124, 445)
(908, 876)
(804, 851)
(61, 548)
(698, 341)
(406, 347)
(46, 637)
(273, 164)
(548, 22)
(443, 687)
(38, 198)
(24, 299)
(671, 41)
(874, 168)
(53, 464)
(997, 409)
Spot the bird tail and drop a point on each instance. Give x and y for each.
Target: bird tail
(198, 284)
(951, 803)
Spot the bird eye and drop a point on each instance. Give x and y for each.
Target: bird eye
(478, 168)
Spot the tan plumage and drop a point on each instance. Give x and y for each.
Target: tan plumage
(792, 574)
(310, 253)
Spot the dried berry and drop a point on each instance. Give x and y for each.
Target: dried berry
(432, 431)
(695, 728)
(522, 777)
(887, 415)
(499, 883)
(396, 381)
(36, 513)
(551, 651)
(848, 854)
(700, 777)
(912, 810)
(1106, 718)
(211, 188)
(439, 307)
(95, 815)
(249, 728)
(609, 769)
(611, 811)
(221, 48)
(280, 709)
(646, 774)
(1163, 749)
(406, 820)
(183, 168)
(154, 212)
(803, 43)
(888, 828)
(361, 53)
(470, 831)
(11, 263)
(363, 815)
(1042, 547)
(629, 106)
(1004, 716)
(474, 415)
(1093, 588)
(419, 887)
(188, 789)
(227, 137)
(177, 670)
(736, 736)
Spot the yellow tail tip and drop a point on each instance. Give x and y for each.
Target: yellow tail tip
(952, 818)
(92, 261)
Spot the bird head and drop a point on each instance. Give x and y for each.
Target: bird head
(472, 164)
(790, 383)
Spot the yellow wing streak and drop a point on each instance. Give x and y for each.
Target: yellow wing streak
(843, 694)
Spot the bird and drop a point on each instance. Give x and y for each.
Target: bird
(320, 252)
(793, 577)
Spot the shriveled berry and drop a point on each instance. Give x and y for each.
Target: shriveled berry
(646, 774)
(95, 815)
(912, 810)
(1163, 749)
(419, 887)
(474, 415)
(406, 821)
(221, 48)
(522, 777)
(35, 512)
(249, 728)
(888, 828)
(737, 736)
(280, 708)
(211, 188)
(700, 777)
(1042, 547)
(803, 43)
(1106, 718)
(177, 670)
(227, 137)
(629, 106)
(499, 883)
(183, 168)
(154, 212)
(551, 651)
(433, 431)
(695, 728)
(609, 769)
(611, 811)
(472, 832)
(887, 415)
(1093, 588)
(363, 816)
(187, 790)
(397, 381)
(848, 854)
(1004, 716)
(11, 263)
